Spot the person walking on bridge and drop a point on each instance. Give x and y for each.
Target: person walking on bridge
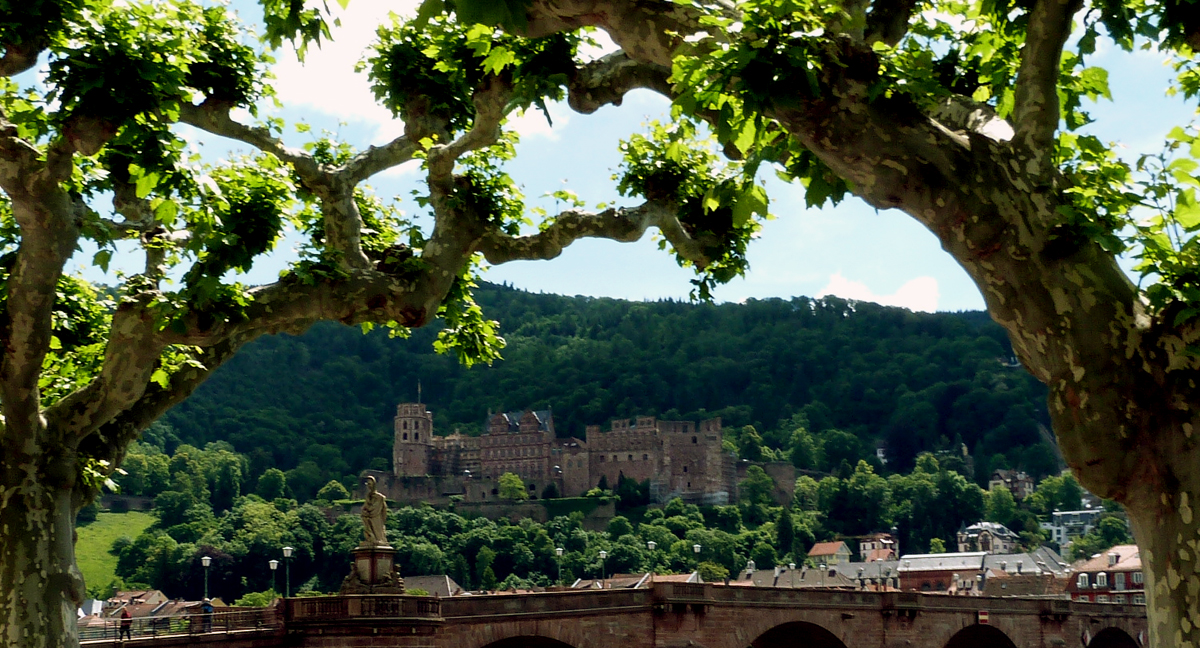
(126, 625)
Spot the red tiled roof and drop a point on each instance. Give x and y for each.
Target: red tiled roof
(1128, 559)
(827, 548)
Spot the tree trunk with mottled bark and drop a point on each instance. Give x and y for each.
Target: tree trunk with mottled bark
(40, 586)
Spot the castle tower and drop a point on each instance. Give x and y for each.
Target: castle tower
(413, 443)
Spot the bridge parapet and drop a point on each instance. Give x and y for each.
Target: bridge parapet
(544, 603)
(325, 609)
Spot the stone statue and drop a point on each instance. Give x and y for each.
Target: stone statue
(374, 516)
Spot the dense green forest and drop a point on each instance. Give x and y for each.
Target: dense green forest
(850, 374)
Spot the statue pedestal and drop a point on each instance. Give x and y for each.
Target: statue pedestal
(373, 571)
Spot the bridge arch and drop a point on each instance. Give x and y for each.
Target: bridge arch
(796, 634)
(1112, 638)
(528, 641)
(980, 636)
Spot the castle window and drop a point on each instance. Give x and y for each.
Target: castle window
(645, 457)
(405, 424)
(631, 457)
(694, 440)
(406, 436)
(417, 437)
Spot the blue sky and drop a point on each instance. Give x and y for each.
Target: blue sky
(852, 250)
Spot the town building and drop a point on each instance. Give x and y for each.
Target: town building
(877, 547)
(968, 572)
(678, 458)
(1065, 525)
(829, 553)
(800, 577)
(1017, 482)
(645, 580)
(1114, 576)
(988, 537)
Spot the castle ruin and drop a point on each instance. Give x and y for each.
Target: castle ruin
(678, 458)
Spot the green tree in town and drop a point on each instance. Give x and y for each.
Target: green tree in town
(334, 490)
(1110, 530)
(1001, 506)
(512, 487)
(272, 485)
(785, 533)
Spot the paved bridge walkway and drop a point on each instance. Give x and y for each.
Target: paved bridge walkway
(679, 615)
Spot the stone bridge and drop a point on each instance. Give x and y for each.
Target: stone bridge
(679, 615)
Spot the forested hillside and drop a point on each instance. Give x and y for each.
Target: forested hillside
(322, 403)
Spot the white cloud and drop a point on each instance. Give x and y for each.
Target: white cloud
(326, 81)
(532, 122)
(919, 294)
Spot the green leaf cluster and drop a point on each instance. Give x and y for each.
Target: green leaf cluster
(431, 69)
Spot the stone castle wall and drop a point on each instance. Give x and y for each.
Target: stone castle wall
(679, 458)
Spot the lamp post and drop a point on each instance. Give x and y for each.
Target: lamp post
(696, 550)
(206, 561)
(822, 568)
(558, 551)
(287, 572)
(653, 562)
(792, 574)
(274, 564)
(603, 556)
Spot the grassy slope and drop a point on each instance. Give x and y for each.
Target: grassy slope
(99, 566)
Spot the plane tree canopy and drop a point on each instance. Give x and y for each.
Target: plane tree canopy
(962, 114)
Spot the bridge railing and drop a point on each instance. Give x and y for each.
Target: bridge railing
(182, 624)
(367, 606)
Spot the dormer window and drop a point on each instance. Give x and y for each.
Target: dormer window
(1102, 580)
(1082, 581)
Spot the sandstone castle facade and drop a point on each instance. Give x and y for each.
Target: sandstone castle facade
(679, 458)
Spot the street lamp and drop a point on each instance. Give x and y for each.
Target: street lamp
(287, 572)
(603, 555)
(274, 565)
(651, 545)
(792, 574)
(696, 550)
(206, 561)
(559, 551)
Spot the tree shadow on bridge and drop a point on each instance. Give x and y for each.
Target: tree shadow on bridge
(528, 642)
(1112, 638)
(793, 635)
(980, 636)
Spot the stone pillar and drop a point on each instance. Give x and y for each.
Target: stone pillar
(373, 571)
